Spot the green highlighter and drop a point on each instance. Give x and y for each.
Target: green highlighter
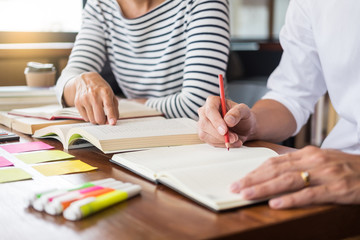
(88, 206)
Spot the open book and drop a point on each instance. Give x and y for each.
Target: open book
(30, 125)
(200, 172)
(128, 134)
(127, 109)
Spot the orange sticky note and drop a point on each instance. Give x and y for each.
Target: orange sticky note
(64, 167)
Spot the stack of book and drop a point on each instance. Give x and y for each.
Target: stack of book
(23, 96)
(28, 120)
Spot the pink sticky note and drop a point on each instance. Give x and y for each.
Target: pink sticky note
(5, 163)
(26, 147)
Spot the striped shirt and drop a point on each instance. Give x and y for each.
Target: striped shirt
(172, 55)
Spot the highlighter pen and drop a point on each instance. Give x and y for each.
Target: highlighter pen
(38, 194)
(39, 203)
(87, 206)
(71, 194)
(58, 205)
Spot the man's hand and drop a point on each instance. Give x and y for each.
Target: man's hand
(334, 177)
(239, 122)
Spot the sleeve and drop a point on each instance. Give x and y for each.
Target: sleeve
(298, 82)
(207, 50)
(89, 51)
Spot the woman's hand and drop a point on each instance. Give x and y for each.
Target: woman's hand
(239, 121)
(334, 177)
(94, 99)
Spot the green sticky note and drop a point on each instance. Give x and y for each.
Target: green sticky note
(43, 156)
(13, 174)
(64, 167)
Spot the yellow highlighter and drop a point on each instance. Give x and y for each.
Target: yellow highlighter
(85, 207)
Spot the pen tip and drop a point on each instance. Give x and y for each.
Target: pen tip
(227, 145)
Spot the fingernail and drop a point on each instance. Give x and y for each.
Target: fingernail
(112, 121)
(247, 193)
(230, 120)
(221, 130)
(235, 188)
(275, 203)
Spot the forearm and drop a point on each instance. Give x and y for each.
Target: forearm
(274, 122)
(181, 104)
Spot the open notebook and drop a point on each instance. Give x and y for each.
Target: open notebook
(200, 172)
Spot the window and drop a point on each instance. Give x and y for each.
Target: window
(257, 19)
(51, 20)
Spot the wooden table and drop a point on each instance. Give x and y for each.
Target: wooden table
(160, 213)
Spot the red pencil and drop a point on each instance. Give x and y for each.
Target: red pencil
(223, 107)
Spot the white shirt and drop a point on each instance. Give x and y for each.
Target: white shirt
(321, 42)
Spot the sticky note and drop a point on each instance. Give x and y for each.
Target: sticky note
(26, 147)
(13, 174)
(43, 156)
(5, 163)
(64, 167)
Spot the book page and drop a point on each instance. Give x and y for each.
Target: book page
(127, 109)
(139, 128)
(60, 130)
(44, 111)
(210, 185)
(167, 158)
(48, 112)
(132, 109)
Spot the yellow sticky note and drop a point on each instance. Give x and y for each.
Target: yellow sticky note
(13, 174)
(64, 167)
(43, 156)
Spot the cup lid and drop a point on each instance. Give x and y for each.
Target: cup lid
(39, 67)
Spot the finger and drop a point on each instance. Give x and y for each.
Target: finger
(80, 107)
(209, 138)
(207, 131)
(270, 169)
(110, 109)
(116, 105)
(291, 156)
(83, 113)
(211, 112)
(287, 182)
(90, 113)
(98, 111)
(312, 195)
(236, 114)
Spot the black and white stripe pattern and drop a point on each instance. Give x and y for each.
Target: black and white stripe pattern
(171, 55)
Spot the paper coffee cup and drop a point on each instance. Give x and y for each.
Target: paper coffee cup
(40, 75)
